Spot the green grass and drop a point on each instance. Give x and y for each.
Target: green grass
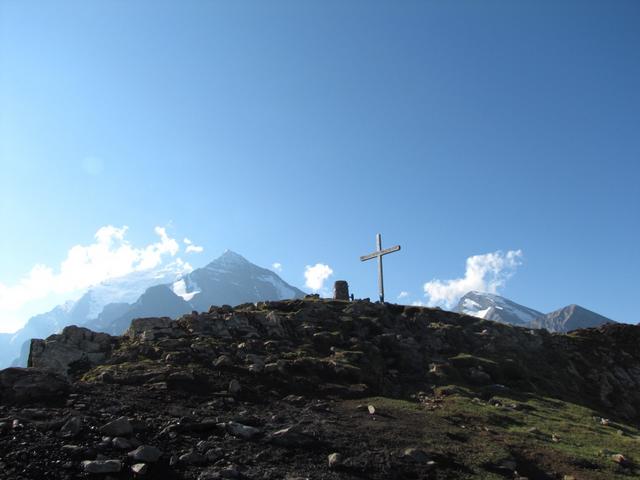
(482, 436)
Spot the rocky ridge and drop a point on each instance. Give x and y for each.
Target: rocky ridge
(304, 389)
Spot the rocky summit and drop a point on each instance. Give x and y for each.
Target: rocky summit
(321, 389)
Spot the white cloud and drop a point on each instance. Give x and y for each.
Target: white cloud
(403, 294)
(191, 248)
(108, 257)
(316, 275)
(277, 266)
(485, 273)
(418, 303)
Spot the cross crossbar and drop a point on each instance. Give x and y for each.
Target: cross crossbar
(364, 258)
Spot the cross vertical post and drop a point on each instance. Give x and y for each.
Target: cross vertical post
(378, 254)
(380, 276)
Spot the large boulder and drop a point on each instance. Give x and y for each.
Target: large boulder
(23, 385)
(149, 329)
(74, 347)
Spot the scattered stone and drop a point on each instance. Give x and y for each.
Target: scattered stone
(71, 428)
(292, 437)
(416, 455)
(102, 466)
(620, 460)
(121, 443)
(120, 427)
(371, 409)
(74, 451)
(335, 460)
(234, 387)
(145, 453)
(223, 361)
(193, 458)
(139, 469)
(242, 431)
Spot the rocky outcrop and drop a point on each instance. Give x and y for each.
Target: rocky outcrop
(74, 348)
(357, 347)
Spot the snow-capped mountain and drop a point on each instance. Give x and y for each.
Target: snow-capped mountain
(231, 279)
(170, 290)
(494, 307)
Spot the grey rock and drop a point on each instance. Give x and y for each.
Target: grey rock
(292, 437)
(223, 361)
(193, 458)
(242, 431)
(416, 455)
(121, 443)
(147, 329)
(120, 427)
(75, 344)
(102, 466)
(234, 387)
(145, 453)
(71, 428)
(140, 469)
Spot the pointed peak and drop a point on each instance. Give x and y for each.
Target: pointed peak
(229, 257)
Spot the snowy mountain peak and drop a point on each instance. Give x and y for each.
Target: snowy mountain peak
(228, 258)
(494, 307)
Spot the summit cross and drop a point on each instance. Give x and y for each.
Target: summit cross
(378, 254)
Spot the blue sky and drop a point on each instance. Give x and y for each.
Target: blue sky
(293, 132)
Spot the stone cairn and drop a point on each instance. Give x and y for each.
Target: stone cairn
(341, 290)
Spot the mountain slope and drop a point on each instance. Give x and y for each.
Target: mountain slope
(231, 279)
(570, 318)
(496, 308)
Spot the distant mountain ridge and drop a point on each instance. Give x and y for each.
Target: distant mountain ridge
(494, 307)
(169, 291)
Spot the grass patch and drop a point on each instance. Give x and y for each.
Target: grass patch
(537, 437)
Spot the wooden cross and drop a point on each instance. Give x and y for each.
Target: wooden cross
(378, 254)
